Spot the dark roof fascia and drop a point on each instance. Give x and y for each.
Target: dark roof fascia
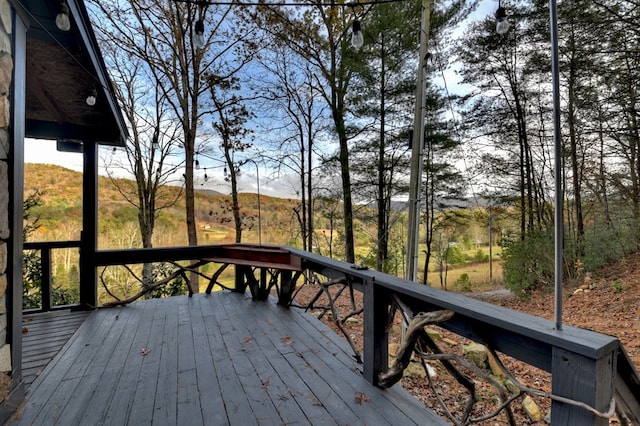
(50, 130)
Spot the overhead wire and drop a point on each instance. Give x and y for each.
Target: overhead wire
(456, 124)
(288, 4)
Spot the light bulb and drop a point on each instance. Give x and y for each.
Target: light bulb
(198, 37)
(502, 24)
(197, 165)
(357, 39)
(206, 178)
(62, 19)
(91, 99)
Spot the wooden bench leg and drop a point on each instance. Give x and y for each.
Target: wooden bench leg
(286, 289)
(240, 281)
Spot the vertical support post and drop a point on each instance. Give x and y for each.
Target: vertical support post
(45, 283)
(376, 339)
(15, 190)
(89, 236)
(584, 379)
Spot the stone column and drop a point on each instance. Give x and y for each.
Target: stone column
(6, 66)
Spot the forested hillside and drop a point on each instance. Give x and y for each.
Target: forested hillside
(60, 214)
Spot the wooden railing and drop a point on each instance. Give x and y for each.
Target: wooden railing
(45, 249)
(586, 367)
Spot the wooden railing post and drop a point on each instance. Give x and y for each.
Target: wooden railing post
(45, 279)
(583, 379)
(376, 339)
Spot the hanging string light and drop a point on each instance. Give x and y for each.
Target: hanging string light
(502, 24)
(197, 164)
(199, 40)
(91, 97)
(62, 18)
(357, 39)
(198, 30)
(155, 141)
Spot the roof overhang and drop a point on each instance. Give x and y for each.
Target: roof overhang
(62, 68)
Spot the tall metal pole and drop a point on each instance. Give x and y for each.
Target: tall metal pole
(490, 246)
(259, 212)
(559, 197)
(417, 149)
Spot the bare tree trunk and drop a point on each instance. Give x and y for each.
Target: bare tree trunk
(338, 112)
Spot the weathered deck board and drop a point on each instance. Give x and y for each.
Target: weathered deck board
(118, 407)
(44, 334)
(218, 359)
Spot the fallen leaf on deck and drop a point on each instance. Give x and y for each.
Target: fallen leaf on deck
(248, 339)
(287, 340)
(265, 384)
(361, 397)
(25, 330)
(144, 351)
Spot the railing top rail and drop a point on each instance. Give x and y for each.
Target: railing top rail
(226, 251)
(39, 245)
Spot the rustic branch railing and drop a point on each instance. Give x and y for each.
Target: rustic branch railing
(587, 368)
(45, 249)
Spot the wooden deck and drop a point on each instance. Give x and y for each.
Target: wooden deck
(211, 359)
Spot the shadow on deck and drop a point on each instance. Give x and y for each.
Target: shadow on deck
(210, 359)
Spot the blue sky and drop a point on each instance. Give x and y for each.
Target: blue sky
(44, 151)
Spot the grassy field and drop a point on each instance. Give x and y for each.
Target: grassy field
(473, 276)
